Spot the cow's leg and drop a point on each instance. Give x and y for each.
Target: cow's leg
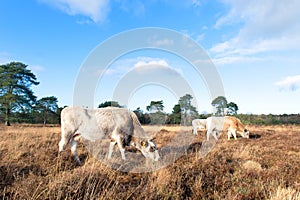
(64, 138)
(117, 138)
(156, 155)
(61, 144)
(228, 134)
(121, 148)
(207, 134)
(111, 148)
(195, 130)
(215, 134)
(233, 132)
(73, 145)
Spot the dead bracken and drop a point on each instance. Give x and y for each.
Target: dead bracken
(266, 166)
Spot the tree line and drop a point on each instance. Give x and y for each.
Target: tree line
(18, 104)
(183, 112)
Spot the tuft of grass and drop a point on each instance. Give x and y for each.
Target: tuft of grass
(285, 194)
(252, 166)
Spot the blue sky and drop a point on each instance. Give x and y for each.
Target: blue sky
(254, 45)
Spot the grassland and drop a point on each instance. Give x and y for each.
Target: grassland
(267, 166)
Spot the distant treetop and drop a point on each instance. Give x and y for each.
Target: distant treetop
(109, 103)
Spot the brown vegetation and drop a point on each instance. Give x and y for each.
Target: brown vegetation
(267, 166)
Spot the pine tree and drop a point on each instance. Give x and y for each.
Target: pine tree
(15, 88)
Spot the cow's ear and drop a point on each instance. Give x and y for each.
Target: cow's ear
(143, 143)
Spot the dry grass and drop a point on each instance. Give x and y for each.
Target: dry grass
(285, 194)
(267, 166)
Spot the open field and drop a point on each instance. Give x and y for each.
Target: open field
(267, 166)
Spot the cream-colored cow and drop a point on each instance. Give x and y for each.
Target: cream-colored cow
(230, 124)
(119, 124)
(198, 124)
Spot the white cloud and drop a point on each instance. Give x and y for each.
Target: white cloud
(197, 37)
(291, 83)
(151, 64)
(234, 59)
(221, 47)
(96, 10)
(264, 27)
(5, 58)
(200, 37)
(159, 66)
(141, 64)
(124, 65)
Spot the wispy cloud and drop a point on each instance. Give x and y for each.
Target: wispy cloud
(267, 26)
(153, 63)
(136, 8)
(144, 66)
(121, 66)
(6, 58)
(234, 59)
(37, 68)
(196, 3)
(159, 66)
(96, 10)
(166, 42)
(290, 83)
(141, 65)
(197, 37)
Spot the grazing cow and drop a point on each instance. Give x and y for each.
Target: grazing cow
(231, 124)
(198, 123)
(119, 124)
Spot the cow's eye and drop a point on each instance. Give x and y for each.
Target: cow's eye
(143, 143)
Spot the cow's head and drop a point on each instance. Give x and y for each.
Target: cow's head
(246, 133)
(148, 148)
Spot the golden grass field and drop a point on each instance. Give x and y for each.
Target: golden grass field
(266, 166)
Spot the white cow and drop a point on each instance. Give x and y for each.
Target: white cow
(229, 123)
(119, 124)
(198, 123)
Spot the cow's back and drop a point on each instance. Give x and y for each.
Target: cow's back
(111, 118)
(99, 122)
(233, 122)
(215, 123)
